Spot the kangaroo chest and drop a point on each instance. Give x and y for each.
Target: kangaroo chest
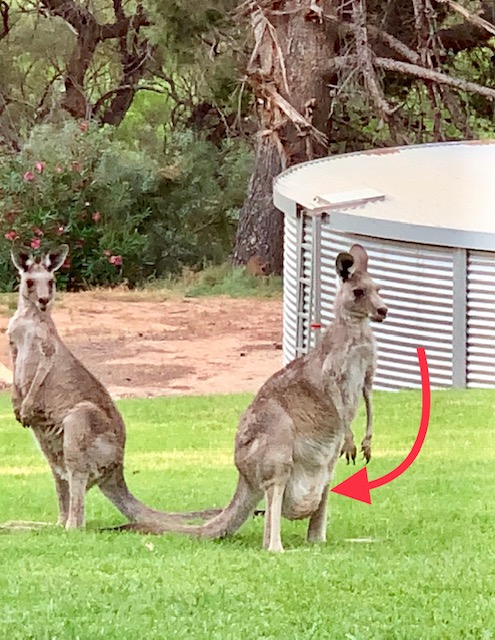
(353, 373)
(28, 341)
(345, 375)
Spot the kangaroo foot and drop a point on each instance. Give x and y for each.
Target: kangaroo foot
(350, 451)
(366, 449)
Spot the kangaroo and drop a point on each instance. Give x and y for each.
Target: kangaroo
(291, 435)
(76, 423)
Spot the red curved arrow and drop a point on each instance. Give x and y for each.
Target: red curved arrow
(358, 486)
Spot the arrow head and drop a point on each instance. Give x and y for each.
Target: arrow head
(355, 487)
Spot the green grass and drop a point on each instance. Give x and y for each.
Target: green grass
(428, 573)
(235, 282)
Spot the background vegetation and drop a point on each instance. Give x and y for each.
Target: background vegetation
(418, 563)
(171, 119)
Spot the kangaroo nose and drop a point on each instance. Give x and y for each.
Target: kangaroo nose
(44, 301)
(382, 311)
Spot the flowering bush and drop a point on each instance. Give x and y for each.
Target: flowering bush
(76, 185)
(125, 216)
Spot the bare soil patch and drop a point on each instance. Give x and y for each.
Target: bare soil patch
(142, 347)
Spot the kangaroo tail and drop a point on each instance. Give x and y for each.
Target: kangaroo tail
(224, 524)
(115, 488)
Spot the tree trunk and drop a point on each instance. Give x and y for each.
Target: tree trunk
(261, 226)
(286, 69)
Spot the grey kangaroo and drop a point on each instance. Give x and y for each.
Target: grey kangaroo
(76, 423)
(292, 434)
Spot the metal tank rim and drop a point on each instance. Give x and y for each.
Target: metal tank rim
(366, 218)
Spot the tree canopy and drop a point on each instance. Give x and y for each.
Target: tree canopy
(220, 96)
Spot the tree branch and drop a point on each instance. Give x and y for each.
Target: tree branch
(89, 32)
(124, 87)
(393, 43)
(388, 64)
(78, 16)
(479, 22)
(123, 23)
(434, 76)
(4, 13)
(364, 58)
(474, 32)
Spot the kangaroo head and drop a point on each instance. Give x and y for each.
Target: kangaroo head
(37, 282)
(358, 295)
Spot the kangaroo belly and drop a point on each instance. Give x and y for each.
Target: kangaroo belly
(24, 370)
(312, 471)
(303, 492)
(100, 458)
(51, 441)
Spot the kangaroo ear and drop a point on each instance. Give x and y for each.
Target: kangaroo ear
(55, 259)
(22, 258)
(344, 265)
(360, 257)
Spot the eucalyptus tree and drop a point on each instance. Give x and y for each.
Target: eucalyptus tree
(339, 75)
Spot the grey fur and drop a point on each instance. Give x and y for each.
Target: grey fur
(292, 434)
(75, 421)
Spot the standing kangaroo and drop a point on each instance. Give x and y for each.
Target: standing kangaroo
(291, 435)
(76, 423)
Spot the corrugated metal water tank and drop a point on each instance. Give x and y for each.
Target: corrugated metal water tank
(426, 216)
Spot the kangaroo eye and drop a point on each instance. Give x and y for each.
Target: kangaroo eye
(30, 283)
(358, 293)
(50, 284)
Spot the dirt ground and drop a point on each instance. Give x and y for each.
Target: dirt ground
(142, 347)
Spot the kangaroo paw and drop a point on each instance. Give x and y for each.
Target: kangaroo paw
(350, 451)
(366, 449)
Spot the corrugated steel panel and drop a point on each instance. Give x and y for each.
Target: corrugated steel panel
(481, 319)
(307, 299)
(291, 251)
(416, 283)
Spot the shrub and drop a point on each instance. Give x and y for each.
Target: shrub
(200, 192)
(74, 184)
(125, 216)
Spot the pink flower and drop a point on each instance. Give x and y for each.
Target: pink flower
(58, 169)
(38, 232)
(115, 260)
(28, 176)
(96, 216)
(39, 166)
(35, 243)
(60, 230)
(11, 235)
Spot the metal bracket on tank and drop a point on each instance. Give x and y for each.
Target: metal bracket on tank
(315, 326)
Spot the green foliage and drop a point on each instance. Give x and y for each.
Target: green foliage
(125, 216)
(417, 564)
(30, 62)
(201, 190)
(235, 282)
(74, 185)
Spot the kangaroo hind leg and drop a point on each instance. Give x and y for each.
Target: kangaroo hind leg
(63, 495)
(272, 539)
(317, 528)
(88, 450)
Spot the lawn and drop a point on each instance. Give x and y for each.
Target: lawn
(418, 563)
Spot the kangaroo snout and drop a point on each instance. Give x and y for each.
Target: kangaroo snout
(43, 302)
(380, 314)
